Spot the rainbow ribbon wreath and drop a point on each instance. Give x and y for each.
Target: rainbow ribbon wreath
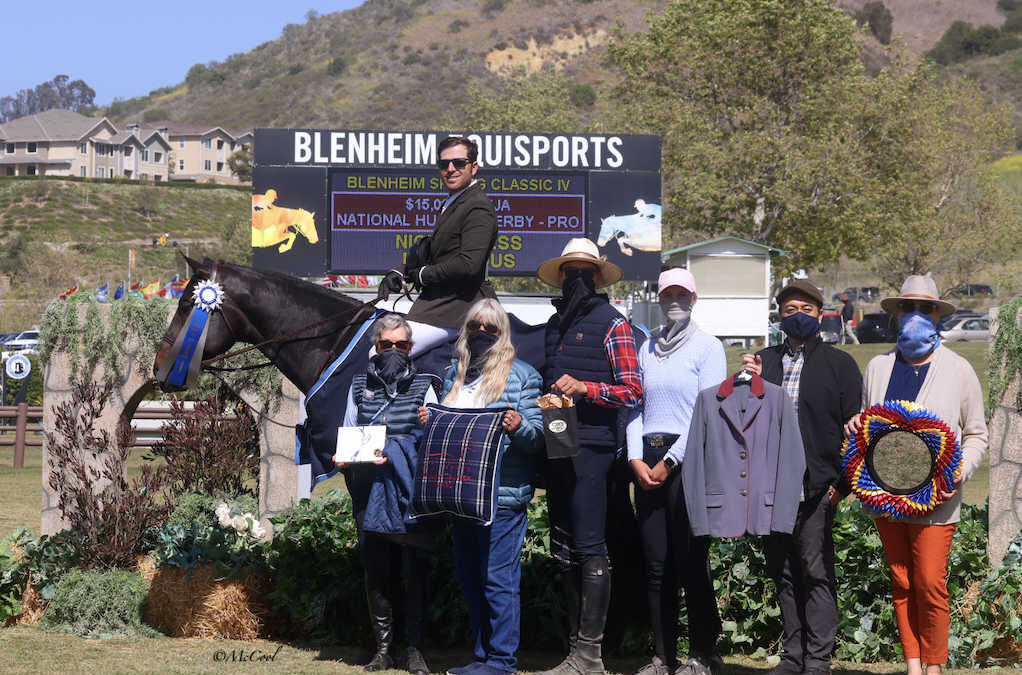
(903, 416)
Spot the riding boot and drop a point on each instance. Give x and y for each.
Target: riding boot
(571, 578)
(593, 619)
(381, 616)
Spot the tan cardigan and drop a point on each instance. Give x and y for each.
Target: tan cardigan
(951, 390)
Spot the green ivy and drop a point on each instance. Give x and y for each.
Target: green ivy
(1005, 355)
(89, 343)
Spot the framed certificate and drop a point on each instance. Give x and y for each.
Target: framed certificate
(360, 444)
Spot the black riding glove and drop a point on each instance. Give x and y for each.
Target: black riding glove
(413, 275)
(393, 282)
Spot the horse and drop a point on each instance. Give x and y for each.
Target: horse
(639, 230)
(273, 224)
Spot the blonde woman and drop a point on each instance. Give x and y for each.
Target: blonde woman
(486, 374)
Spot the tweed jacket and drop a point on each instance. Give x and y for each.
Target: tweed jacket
(454, 260)
(951, 390)
(744, 461)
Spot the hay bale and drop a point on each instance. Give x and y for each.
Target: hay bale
(195, 603)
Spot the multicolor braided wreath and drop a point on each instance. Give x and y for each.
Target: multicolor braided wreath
(877, 421)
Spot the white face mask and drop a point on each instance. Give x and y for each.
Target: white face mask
(677, 312)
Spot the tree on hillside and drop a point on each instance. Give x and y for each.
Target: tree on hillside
(757, 103)
(539, 102)
(60, 92)
(240, 164)
(876, 15)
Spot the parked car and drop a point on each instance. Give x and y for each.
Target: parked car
(830, 327)
(858, 294)
(970, 290)
(26, 342)
(876, 327)
(959, 314)
(976, 329)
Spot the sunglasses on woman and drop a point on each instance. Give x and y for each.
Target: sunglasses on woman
(486, 327)
(401, 345)
(909, 306)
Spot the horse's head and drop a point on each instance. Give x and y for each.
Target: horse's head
(609, 228)
(306, 224)
(219, 332)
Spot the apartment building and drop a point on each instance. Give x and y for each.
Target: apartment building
(199, 152)
(65, 143)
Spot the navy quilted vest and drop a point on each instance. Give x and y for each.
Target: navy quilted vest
(580, 353)
(401, 415)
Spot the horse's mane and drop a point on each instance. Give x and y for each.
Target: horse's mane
(308, 290)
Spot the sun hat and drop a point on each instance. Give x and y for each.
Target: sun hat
(676, 276)
(920, 288)
(585, 250)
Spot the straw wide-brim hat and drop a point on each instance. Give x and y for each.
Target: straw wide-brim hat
(586, 251)
(921, 289)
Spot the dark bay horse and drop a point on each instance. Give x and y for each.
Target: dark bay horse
(262, 306)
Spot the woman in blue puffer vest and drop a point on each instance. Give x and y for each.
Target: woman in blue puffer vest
(486, 374)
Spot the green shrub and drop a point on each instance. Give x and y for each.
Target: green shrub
(337, 66)
(98, 604)
(582, 95)
(12, 581)
(194, 511)
(876, 15)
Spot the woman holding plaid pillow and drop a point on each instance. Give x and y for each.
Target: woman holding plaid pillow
(486, 374)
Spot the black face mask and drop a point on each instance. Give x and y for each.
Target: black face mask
(479, 343)
(391, 365)
(579, 285)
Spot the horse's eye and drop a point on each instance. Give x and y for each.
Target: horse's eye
(257, 208)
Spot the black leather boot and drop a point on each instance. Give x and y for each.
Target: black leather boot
(415, 604)
(381, 616)
(571, 579)
(593, 619)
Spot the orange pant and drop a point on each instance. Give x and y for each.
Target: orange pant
(917, 557)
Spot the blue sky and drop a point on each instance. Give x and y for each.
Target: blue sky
(95, 42)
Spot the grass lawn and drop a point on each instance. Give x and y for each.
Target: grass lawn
(30, 650)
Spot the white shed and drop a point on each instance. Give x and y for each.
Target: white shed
(733, 283)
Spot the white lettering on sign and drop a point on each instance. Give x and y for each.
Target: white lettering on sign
(495, 150)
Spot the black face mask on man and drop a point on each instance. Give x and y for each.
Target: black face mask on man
(579, 285)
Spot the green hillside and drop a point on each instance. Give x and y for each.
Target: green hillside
(58, 233)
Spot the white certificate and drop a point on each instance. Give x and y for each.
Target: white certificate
(360, 444)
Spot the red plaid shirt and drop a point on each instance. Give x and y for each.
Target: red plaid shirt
(627, 390)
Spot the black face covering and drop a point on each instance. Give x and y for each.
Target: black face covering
(579, 286)
(391, 365)
(479, 344)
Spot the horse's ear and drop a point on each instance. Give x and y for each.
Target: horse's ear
(193, 264)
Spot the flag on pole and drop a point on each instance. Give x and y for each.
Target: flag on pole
(119, 293)
(69, 292)
(150, 289)
(103, 293)
(177, 289)
(135, 286)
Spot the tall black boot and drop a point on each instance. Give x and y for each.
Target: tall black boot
(571, 580)
(381, 616)
(593, 619)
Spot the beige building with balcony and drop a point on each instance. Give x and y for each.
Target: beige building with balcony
(64, 143)
(199, 152)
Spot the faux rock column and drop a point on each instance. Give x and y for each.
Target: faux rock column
(1005, 468)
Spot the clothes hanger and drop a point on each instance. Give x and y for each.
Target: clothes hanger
(743, 376)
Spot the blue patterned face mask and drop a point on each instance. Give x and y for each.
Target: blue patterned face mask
(918, 336)
(800, 325)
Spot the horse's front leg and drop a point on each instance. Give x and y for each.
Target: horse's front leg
(625, 248)
(288, 242)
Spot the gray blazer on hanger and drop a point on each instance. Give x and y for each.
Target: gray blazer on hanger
(744, 461)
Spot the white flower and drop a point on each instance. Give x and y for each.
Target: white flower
(225, 519)
(240, 523)
(223, 510)
(258, 531)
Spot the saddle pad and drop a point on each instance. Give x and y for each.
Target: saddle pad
(459, 463)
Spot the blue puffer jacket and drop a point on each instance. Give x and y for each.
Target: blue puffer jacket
(523, 388)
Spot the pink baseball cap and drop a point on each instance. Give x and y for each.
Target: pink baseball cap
(676, 276)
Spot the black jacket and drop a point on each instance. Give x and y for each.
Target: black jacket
(455, 260)
(829, 393)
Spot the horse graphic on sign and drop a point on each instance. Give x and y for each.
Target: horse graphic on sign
(639, 230)
(272, 224)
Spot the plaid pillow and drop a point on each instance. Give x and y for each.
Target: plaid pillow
(459, 463)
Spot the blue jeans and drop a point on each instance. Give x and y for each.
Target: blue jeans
(488, 561)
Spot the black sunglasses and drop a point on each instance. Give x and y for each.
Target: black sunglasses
(458, 162)
(403, 345)
(909, 306)
(487, 327)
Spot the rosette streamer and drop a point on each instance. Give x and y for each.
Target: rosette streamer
(907, 416)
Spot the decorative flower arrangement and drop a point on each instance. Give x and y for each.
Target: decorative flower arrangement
(942, 443)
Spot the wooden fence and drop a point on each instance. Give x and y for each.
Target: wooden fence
(21, 427)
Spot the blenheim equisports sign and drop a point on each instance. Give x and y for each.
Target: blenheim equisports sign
(354, 202)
